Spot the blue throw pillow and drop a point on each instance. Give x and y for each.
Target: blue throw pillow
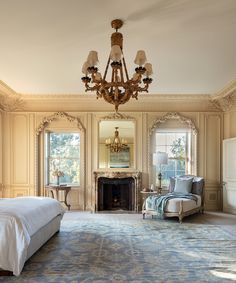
(183, 185)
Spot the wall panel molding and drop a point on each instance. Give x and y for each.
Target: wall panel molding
(20, 149)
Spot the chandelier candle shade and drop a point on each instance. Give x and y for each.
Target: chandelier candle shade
(116, 145)
(120, 88)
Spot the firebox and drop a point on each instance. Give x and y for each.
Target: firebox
(116, 193)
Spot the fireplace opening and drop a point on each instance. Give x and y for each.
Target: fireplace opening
(115, 193)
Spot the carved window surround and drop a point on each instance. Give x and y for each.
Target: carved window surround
(188, 123)
(46, 121)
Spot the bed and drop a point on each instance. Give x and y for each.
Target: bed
(185, 197)
(26, 223)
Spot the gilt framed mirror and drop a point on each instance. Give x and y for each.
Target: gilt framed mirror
(116, 144)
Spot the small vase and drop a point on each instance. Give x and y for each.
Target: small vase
(58, 180)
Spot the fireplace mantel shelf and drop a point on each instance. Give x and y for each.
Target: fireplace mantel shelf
(117, 174)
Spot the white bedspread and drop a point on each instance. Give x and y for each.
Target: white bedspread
(20, 218)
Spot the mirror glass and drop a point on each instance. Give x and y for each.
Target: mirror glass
(109, 158)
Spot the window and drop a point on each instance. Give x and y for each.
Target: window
(62, 152)
(177, 144)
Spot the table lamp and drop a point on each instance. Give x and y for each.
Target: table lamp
(160, 158)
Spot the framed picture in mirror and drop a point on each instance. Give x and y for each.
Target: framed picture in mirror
(120, 159)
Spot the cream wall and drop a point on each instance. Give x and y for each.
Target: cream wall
(19, 154)
(230, 124)
(1, 134)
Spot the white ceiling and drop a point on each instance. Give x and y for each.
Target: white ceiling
(191, 43)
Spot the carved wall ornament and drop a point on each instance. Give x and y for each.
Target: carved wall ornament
(117, 116)
(47, 120)
(224, 103)
(176, 116)
(229, 89)
(11, 102)
(224, 100)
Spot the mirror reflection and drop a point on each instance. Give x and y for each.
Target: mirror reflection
(116, 144)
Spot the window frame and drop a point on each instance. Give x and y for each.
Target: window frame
(47, 154)
(187, 157)
(177, 122)
(58, 121)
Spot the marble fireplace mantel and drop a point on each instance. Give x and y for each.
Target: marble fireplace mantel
(136, 175)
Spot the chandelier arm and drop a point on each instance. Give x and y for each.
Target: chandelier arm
(126, 72)
(89, 88)
(121, 75)
(141, 89)
(105, 74)
(136, 82)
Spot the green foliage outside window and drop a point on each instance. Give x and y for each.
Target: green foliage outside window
(64, 155)
(175, 145)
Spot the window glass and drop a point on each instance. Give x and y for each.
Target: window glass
(63, 158)
(176, 145)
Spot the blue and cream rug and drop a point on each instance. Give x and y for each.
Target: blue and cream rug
(125, 248)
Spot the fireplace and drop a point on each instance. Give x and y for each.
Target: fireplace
(117, 190)
(116, 194)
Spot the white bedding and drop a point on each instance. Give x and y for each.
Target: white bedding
(20, 218)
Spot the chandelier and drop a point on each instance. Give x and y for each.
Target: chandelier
(116, 145)
(120, 88)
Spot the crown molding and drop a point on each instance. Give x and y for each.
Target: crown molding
(144, 103)
(225, 99)
(93, 95)
(9, 99)
(228, 89)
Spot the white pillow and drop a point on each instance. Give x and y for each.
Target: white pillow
(183, 185)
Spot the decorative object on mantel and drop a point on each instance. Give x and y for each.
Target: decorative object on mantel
(57, 173)
(116, 145)
(119, 90)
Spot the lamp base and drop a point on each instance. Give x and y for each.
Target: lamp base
(159, 190)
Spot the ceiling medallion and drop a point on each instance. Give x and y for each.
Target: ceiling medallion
(120, 88)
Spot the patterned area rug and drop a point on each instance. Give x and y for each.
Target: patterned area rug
(126, 248)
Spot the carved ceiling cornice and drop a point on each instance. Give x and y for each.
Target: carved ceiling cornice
(9, 99)
(225, 99)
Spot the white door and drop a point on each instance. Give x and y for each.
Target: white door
(229, 175)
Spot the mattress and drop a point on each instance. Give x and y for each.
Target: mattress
(20, 220)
